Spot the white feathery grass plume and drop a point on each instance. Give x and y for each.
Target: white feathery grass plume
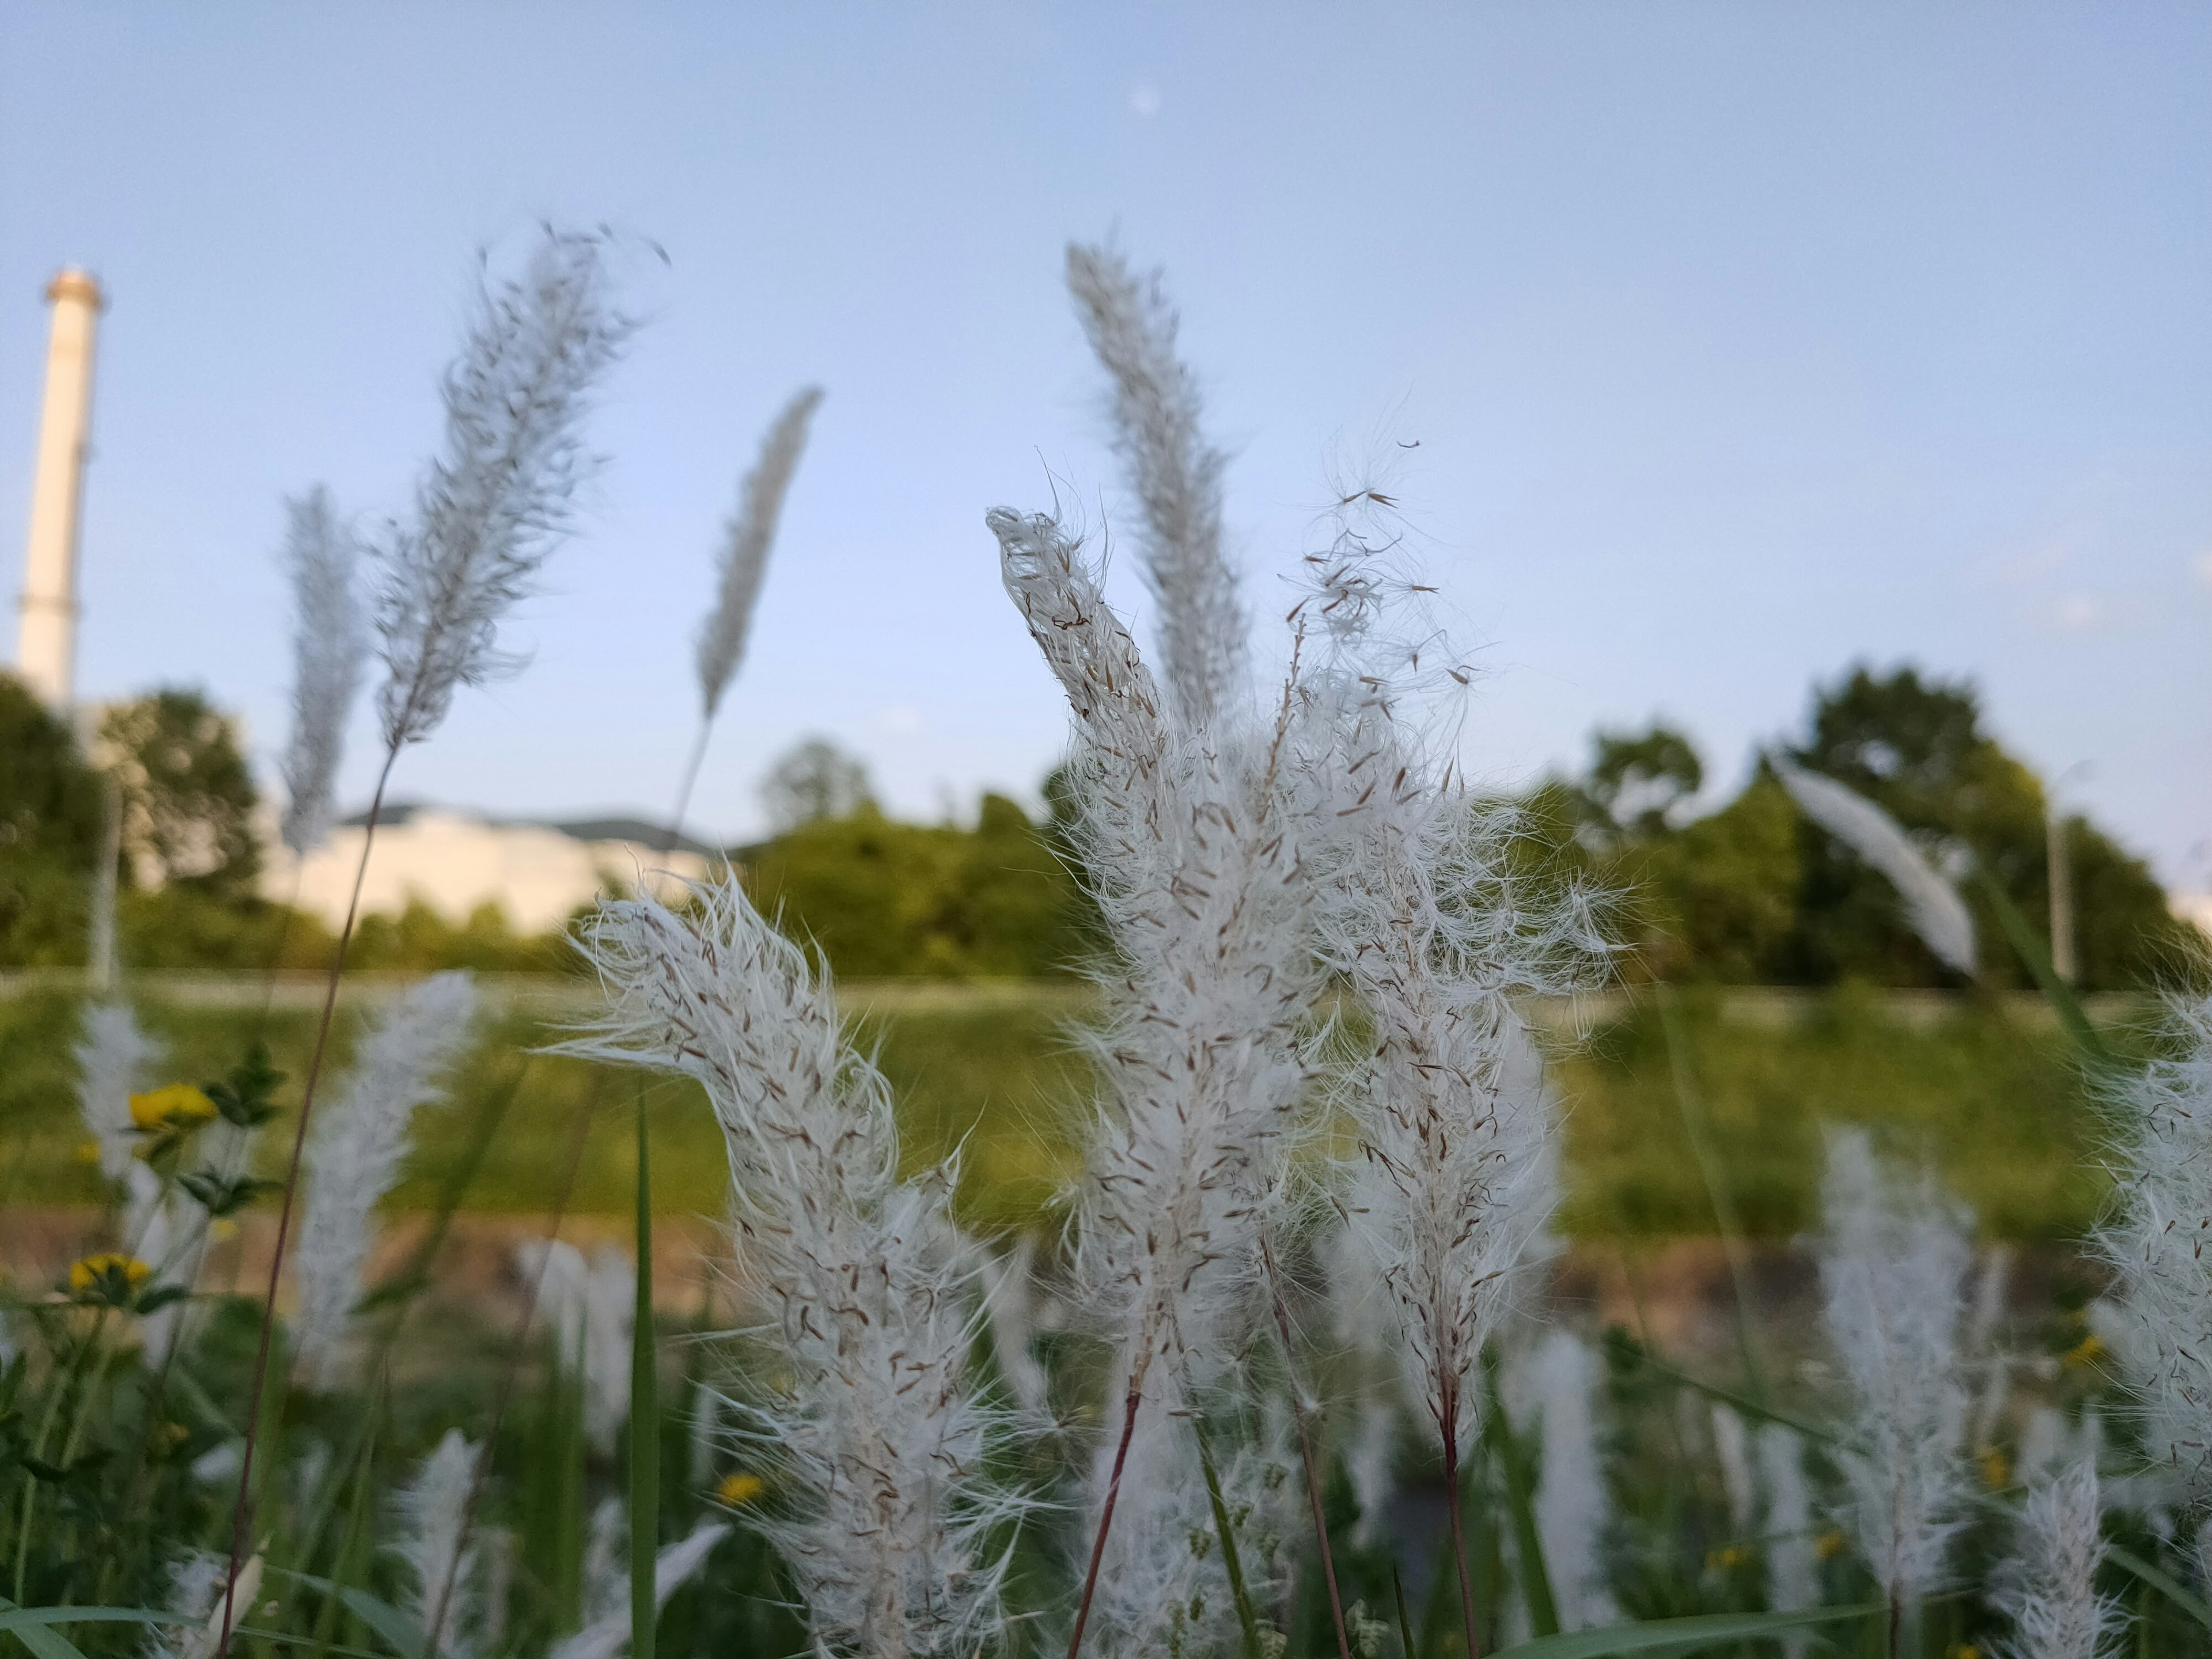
(859, 1275)
(1732, 1449)
(746, 541)
(195, 1592)
(590, 1304)
(2161, 1326)
(1793, 1559)
(1556, 1383)
(1932, 904)
(1421, 911)
(1009, 1292)
(112, 1057)
(499, 498)
(1176, 475)
(606, 1562)
(1194, 852)
(430, 1526)
(330, 650)
(1892, 1257)
(355, 1151)
(673, 1566)
(2049, 1588)
(1195, 865)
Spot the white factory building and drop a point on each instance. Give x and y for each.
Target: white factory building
(455, 861)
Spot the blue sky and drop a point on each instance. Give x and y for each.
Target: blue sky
(1741, 342)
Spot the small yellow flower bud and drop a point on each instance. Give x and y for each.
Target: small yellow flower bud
(739, 1489)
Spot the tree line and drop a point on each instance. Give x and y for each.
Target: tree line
(1748, 893)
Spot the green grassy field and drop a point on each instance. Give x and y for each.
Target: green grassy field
(1989, 1092)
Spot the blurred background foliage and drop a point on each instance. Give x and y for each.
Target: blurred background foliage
(1743, 892)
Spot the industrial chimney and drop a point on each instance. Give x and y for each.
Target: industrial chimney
(46, 654)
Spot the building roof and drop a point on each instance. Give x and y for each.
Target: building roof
(615, 827)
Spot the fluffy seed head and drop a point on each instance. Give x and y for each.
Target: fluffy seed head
(1893, 1255)
(499, 498)
(330, 650)
(1932, 905)
(2048, 1588)
(2162, 1324)
(857, 1276)
(1176, 475)
(745, 545)
(354, 1150)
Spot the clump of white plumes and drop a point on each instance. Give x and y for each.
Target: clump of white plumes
(1177, 478)
(1555, 1382)
(499, 498)
(591, 1304)
(113, 1056)
(745, 547)
(355, 1151)
(2154, 1243)
(859, 1274)
(1195, 866)
(1422, 912)
(430, 1538)
(2049, 1588)
(673, 1566)
(1892, 1257)
(1932, 904)
(330, 649)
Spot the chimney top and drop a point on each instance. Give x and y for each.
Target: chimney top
(73, 284)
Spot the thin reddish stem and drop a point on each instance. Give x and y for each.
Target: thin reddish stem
(241, 1517)
(1450, 1418)
(1105, 1520)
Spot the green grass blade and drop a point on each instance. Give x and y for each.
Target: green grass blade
(1405, 1619)
(1248, 1620)
(1535, 1573)
(402, 1630)
(1681, 1635)
(2035, 956)
(644, 1418)
(2129, 1562)
(1686, 1100)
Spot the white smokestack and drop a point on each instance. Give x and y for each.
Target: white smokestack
(45, 655)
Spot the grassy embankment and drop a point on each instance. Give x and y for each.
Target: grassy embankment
(1989, 1092)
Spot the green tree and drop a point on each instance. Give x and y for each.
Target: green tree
(813, 781)
(49, 827)
(882, 899)
(188, 796)
(1917, 747)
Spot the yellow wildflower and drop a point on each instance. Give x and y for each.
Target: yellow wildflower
(1962, 1650)
(739, 1489)
(173, 1104)
(1997, 1471)
(87, 1151)
(2087, 1352)
(1732, 1555)
(84, 1274)
(1829, 1544)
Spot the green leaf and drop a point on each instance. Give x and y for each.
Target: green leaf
(400, 1629)
(219, 1197)
(2127, 1561)
(1247, 1621)
(2036, 956)
(246, 1096)
(1680, 1635)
